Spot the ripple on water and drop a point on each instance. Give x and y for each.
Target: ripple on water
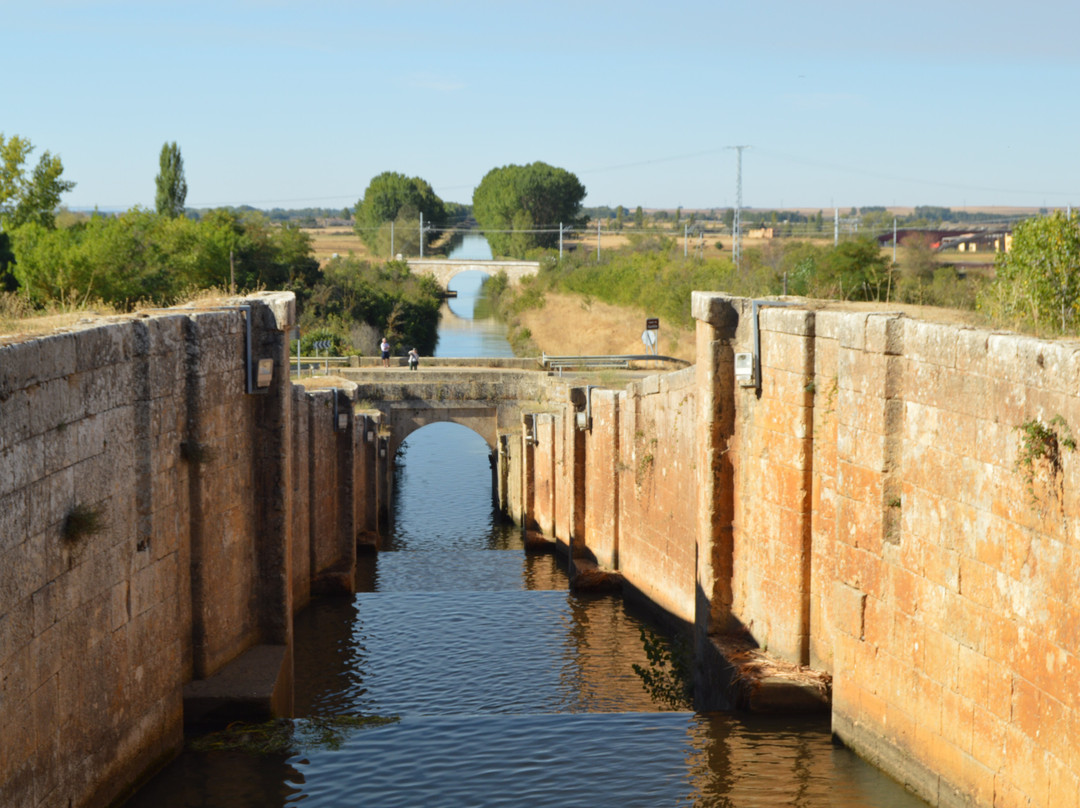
(486, 652)
(635, 759)
(464, 570)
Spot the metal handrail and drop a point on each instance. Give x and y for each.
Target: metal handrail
(601, 360)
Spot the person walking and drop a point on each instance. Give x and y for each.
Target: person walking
(385, 348)
(414, 359)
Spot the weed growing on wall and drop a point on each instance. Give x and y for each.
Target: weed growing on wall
(1042, 442)
(83, 521)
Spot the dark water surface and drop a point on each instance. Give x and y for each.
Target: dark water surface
(511, 691)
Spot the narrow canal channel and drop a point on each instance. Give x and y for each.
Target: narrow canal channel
(509, 689)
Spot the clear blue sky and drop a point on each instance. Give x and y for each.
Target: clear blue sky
(289, 104)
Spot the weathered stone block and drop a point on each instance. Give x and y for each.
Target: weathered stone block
(20, 366)
(102, 346)
(885, 333)
(23, 464)
(932, 343)
(720, 311)
(793, 321)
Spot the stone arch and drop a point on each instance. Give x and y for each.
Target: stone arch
(444, 270)
(483, 421)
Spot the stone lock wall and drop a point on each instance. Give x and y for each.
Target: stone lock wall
(895, 503)
(624, 489)
(883, 530)
(202, 546)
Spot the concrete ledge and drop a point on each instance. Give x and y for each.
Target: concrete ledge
(587, 576)
(760, 683)
(253, 687)
(537, 542)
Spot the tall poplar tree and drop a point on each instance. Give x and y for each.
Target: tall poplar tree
(171, 185)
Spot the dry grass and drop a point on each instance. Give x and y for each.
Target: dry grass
(325, 241)
(19, 321)
(566, 325)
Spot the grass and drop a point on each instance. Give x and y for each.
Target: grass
(326, 241)
(20, 320)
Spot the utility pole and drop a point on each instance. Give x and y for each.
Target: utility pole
(736, 224)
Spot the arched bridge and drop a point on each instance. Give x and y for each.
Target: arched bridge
(444, 269)
(487, 400)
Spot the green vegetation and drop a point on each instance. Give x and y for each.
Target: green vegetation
(668, 676)
(158, 258)
(394, 198)
(355, 303)
(33, 197)
(284, 735)
(171, 185)
(530, 202)
(652, 271)
(55, 260)
(1039, 441)
(1037, 283)
(83, 521)
(143, 257)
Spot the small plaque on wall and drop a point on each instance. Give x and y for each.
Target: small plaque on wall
(266, 373)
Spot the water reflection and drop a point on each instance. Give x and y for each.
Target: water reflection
(511, 690)
(460, 335)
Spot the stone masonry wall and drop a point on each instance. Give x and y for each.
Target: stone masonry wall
(144, 425)
(601, 479)
(657, 490)
(884, 530)
(895, 503)
(625, 489)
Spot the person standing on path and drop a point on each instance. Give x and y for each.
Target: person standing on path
(385, 348)
(414, 359)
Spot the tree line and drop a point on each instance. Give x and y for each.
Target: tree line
(159, 257)
(156, 256)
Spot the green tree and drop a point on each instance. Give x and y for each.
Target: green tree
(141, 256)
(31, 197)
(1038, 279)
(549, 196)
(639, 217)
(854, 270)
(387, 197)
(917, 268)
(620, 215)
(171, 185)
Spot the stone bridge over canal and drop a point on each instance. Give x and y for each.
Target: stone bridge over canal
(490, 401)
(444, 269)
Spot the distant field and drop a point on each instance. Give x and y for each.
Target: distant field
(326, 241)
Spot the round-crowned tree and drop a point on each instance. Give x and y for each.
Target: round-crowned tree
(541, 195)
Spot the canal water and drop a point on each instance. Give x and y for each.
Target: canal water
(508, 689)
